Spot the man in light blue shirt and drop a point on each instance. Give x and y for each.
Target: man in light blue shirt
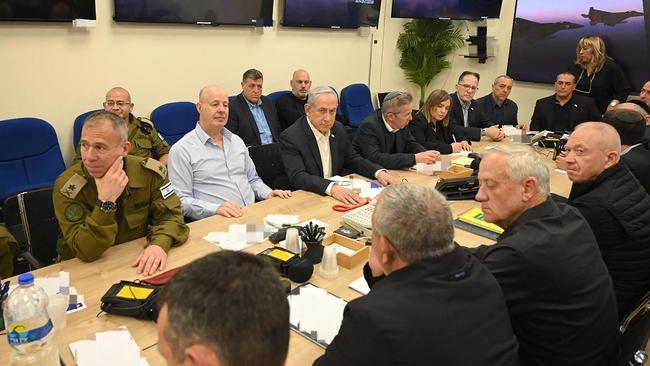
(210, 168)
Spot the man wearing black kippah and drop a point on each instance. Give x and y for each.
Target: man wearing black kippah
(635, 152)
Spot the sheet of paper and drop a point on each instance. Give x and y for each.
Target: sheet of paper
(315, 313)
(115, 347)
(360, 285)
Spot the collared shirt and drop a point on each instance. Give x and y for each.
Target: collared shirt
(266, 137)
(465, 107)
(323, 142)
(205, 175)
(629, 149)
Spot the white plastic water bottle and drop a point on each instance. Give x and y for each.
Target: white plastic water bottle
(29, 328)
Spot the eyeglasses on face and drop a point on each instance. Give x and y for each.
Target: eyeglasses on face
(469, 87)
(119, 103)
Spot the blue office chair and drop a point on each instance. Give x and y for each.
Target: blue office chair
(277, 94)
(174, 120)
(78, 125)
(356, 103)
(30, 156)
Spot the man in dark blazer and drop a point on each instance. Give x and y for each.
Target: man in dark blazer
(291, 106)
(465, 111)
(557, 288)
(635, 152)
(437, 304)
(252, 116)
(384, 139)
(562, 111)
(316, 148)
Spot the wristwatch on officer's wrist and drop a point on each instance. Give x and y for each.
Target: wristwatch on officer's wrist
(106, 206)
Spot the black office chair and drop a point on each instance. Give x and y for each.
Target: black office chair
(268, 162)
(635, 333)
(29, 216)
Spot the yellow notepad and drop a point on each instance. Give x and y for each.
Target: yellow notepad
(462, 161)
(475, 216)
(133, 292)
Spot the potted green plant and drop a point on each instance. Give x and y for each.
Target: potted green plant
(425, 44)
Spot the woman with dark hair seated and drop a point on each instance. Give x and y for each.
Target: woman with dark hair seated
(431, 128)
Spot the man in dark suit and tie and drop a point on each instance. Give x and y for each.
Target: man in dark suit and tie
(252, 115)
(316, 148)
(466, 112)
(384, 139)
(562, 111)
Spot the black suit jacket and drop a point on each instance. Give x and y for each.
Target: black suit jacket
(440, 139)
(638, 161)
(242, 123)
(475, 119)
(289, 108)
(372, 139)
(584, 110)
(446, 310)
(559, 294)
(301, 157)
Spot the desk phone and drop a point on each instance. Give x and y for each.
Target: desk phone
(359, 219)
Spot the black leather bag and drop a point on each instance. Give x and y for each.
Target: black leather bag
(134, 299)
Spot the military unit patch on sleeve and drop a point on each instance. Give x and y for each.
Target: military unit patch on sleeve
(74, 212)
(156, 166)
(73, 186)
(145, 125)
(166, 190)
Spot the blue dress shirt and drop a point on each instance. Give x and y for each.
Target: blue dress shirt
(266, 137)
(204, 175)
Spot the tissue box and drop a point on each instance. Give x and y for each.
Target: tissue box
(349, 253)
(456, 171)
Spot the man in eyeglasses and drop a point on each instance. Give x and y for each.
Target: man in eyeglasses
(465, 111)
(645, 93)
(562, 111)
(145, 140)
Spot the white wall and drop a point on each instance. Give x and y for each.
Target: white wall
(55, 72)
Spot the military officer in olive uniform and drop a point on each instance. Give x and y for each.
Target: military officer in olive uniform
(8, 249)
(110, 197)
(145, 140)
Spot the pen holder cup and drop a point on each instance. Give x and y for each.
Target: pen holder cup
(314, 251)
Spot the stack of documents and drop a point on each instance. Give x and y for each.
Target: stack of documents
(109, 348)
(315, 313)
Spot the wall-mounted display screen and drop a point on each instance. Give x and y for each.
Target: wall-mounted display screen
(544, 38)
(47, 10)
(451, 9)
(331, 13)
(206, 12)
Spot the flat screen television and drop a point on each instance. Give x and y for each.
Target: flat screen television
(204, 12)
(331, 13)
(544, 38)
(450, 9)
(46, 10)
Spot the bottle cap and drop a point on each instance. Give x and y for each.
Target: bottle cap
(26, 279)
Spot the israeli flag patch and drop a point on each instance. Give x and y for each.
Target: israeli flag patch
(167, 190)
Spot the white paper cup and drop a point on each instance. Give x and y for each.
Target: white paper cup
(57, 308)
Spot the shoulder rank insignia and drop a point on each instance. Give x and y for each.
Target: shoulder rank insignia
(73, 186)
(146, 125)
(156, 166)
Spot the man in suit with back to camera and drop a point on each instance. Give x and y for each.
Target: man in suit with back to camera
(616, 207)
(562, 111)
(291, 106)
(635, 151)
(200, 323)
(383, 136)
(316, 147)
(252, 115)
(466, 112)
(210, 167)
(558, 292)
(497, 107)
(145, 140)
(109, 198)
(437, 304)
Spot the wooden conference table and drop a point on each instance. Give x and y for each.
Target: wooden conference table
(93, 279)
